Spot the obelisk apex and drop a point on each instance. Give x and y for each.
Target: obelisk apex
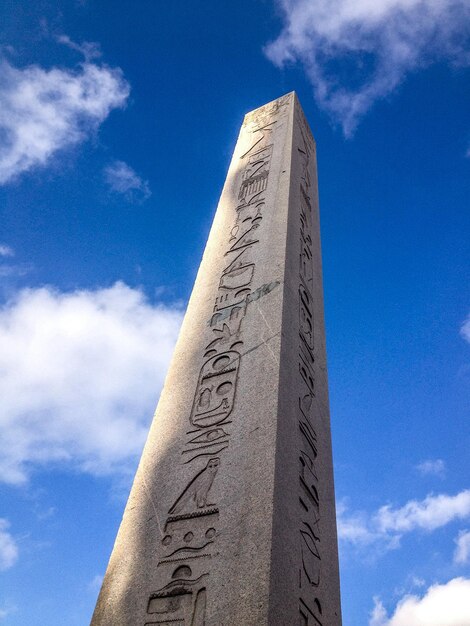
(231, 518)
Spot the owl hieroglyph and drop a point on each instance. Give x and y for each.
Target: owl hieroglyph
(197, 491)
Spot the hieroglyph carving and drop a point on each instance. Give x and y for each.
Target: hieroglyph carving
(181, 601)
(215, 393)
(310, 607)
(197, 491)
(191, 524)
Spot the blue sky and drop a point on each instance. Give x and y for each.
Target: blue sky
(117, 124)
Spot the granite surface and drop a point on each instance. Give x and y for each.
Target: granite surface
(231, 517)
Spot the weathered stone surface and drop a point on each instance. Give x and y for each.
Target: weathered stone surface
(231, 518)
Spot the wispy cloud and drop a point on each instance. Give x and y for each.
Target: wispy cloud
(465, 329)
(378, 614)
(6, 609)
(462, 551)
(431, 467)
(43, 111)
(417, 582)
(81, 372)
(95, 584)
(8, 546)
(6, 251)
(122, 179)
(441, 605)
(9, 270)
(88, 49)
(387, 525)
(356, 52)
(354, 527)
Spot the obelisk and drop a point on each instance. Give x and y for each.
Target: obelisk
(231, 517)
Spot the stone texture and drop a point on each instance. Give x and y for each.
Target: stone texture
(231, 518)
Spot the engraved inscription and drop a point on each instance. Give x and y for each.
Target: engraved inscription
(306, 317)
(198, 489)
(215, 393)
(189, 536)
(310, 616)
(182, 600)
(255, 176)
(190, 531)
(309, 499)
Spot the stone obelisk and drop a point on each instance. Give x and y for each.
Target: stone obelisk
(231, 517)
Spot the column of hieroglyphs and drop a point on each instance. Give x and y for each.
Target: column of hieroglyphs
(230, 520)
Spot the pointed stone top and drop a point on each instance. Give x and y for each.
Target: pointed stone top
(271, 108)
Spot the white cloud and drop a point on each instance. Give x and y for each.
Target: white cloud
(387, 525)
(6, 251)
(432, 468)
(428, 514)
(358, 51)
(462, 551)
(44, 111)
(80, 373)
(121, 178)
(442, 605)
(8, 547)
